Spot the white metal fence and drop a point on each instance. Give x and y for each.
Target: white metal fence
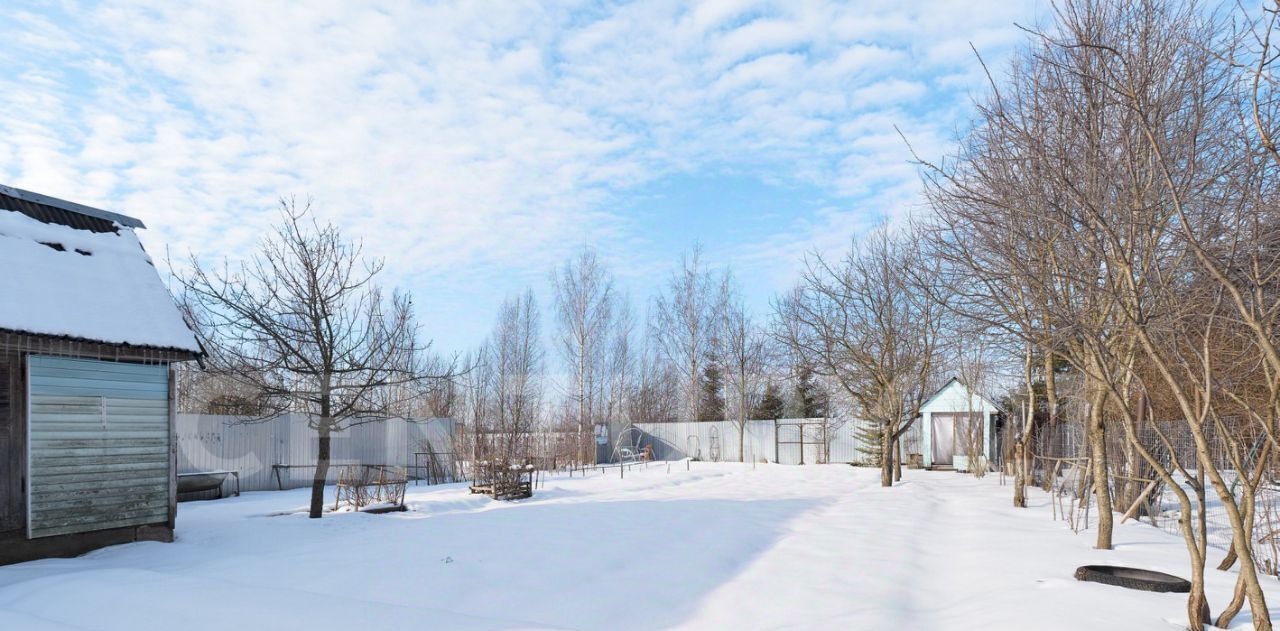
(281, 452)
(777, 441)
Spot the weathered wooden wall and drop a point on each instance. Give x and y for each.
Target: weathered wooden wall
(15, 349)
(12, 444)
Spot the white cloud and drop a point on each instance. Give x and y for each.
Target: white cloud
(469, 144)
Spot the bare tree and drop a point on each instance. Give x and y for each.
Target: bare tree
(517, 356)
(586, 309)
(303, 324)
(1006, 237)
(1117, 203)
(743, 351)
(976, 366)
(683, 323)
(507, 393)
(655, 391)
(863, 325)
(202, 392)
(437, 397)
(620, 369)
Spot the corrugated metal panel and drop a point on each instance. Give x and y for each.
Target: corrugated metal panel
(98, 445)
(224, 443)
(673, 441)
(712, 441)
(227, 443)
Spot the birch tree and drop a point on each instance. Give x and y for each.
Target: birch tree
(744, 355)
(586, 309)
(683, 325)
(513, 366)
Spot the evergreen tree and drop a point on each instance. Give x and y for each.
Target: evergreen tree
(711, 406)
(869, 437)
(771, 405)
(811, 397)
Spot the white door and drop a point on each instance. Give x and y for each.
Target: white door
(943, 438)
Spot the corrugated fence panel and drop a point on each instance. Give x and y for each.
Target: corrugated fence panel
(716, 441)
(763, 441)
(432, 436)
(99, 441)
(227, 443)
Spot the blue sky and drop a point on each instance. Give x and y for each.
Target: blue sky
(476, 145)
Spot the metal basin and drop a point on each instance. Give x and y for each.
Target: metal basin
(201, 482)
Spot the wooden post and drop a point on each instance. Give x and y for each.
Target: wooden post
(826, 443)
(775, 441)
(1133, 508)
(173, 451)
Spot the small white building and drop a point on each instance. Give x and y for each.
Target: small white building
(953, 418)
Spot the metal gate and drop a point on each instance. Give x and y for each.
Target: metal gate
(802, 441)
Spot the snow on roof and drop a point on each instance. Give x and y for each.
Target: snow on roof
(100, 286)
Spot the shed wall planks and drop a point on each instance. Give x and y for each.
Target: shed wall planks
(98, 445)
(12, 505)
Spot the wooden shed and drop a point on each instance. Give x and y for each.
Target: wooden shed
(956, 422)
(88, 334)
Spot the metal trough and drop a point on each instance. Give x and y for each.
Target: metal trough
(200, 481)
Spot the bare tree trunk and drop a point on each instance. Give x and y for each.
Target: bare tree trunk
(1236, 604)
(1020, 468)
(1252, 588)
(886, 457)
(1198, 613)
(1098, 454)
(322, 471)
(1202, 527)
(1019, 448)
(1259, 468)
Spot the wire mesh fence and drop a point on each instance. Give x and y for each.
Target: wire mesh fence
(1062, 467)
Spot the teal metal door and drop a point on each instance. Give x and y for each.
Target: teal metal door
(98, 441)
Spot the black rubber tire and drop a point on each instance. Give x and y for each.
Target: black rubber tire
(1133, 578)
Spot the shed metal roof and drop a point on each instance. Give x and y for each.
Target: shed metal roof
(60, 211)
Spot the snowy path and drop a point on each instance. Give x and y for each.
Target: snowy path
(719, 547)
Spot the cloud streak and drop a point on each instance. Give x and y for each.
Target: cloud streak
(475, 145)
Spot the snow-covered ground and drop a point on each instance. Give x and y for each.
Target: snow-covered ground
(723, 546)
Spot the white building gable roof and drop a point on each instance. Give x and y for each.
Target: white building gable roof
(99, 286)
(954, 396)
